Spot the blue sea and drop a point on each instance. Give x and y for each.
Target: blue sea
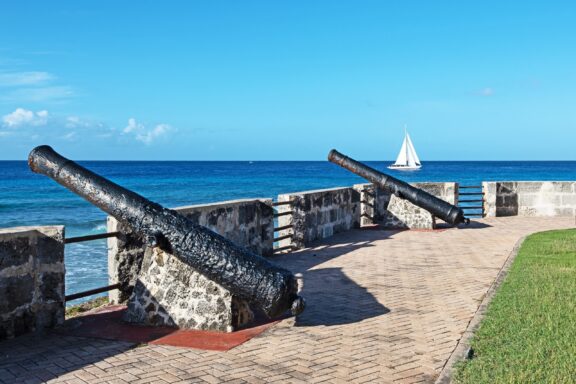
(30, 199)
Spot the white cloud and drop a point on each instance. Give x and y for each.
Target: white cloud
(31, 86)
(15, 79)
(27, 124)
(72, 121)
(487, 91)
(77, 122)
(24, 117)
(38, 94)
(70, 136)
(158, 131)
(146, 135)
(133, 126)
(24, 124)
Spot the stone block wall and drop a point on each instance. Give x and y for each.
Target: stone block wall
(31, 279)
(447, 191)
(319, 214)
(530, 198)
(248, 223)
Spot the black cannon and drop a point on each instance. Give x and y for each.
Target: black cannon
(245, 274)
(438, 207)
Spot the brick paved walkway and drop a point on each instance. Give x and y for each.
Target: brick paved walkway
(383, 307)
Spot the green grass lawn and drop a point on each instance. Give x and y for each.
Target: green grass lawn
(529, 332)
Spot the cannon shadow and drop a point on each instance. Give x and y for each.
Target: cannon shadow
(332, 296)
(474, 225)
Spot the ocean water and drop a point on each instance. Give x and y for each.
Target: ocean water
(30, 199)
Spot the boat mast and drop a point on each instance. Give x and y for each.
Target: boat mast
(406, 146)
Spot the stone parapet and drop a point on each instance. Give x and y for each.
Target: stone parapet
(319, 214)
(530, 198)
(373, 203)
(31, 279)
(447, 191)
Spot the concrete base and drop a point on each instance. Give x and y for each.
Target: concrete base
(169, 292)
(402, 214)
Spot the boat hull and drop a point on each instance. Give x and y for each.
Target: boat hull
(404, 167)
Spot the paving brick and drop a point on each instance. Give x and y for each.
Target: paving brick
(383, 307)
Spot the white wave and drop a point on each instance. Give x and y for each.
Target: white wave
(99, 227)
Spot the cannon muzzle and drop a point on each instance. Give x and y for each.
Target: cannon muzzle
(438, 207)
(245, 274)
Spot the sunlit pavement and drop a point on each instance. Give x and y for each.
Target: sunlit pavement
(383, 306)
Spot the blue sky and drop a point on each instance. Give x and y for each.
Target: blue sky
(288, 80)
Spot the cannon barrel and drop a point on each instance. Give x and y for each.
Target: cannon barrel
(245, 274)
(438, 207)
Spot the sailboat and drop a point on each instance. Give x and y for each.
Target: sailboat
(407, 159)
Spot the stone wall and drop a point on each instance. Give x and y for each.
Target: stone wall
(31, 279)
(530, 198)
(319, 214)
(447, 191)
(373, 203)
(248, 223)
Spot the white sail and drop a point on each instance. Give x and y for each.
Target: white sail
(412, 155)
(407, 158)
(402, 158)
